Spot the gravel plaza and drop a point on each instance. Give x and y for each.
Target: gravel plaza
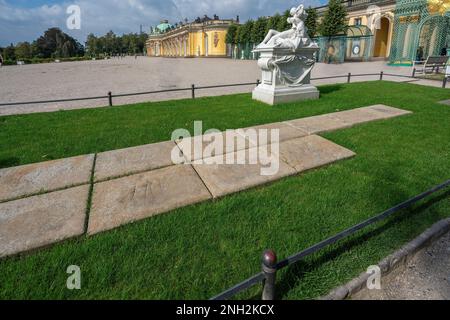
(70, 80)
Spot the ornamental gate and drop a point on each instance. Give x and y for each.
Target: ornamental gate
(421, 29)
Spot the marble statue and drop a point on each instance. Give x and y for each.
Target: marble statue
(286, 60)
(293, 38)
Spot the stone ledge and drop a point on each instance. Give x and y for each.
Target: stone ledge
(391, 262)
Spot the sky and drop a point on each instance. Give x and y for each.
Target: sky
(26, 20)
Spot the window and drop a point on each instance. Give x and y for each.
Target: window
(358, 21)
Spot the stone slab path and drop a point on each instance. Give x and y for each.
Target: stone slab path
(47, 202)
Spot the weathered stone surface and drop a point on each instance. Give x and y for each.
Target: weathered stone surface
(318, 124)
(286, 132)
(133, 160)
(200, 147)
(46, 176)
(312, 152)
(38, 221)
(128, 199)
(386, 112)
(255, 169)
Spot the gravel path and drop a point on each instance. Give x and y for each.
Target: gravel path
(128, 75)
(425, 277)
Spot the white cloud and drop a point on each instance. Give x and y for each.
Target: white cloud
(100, 16)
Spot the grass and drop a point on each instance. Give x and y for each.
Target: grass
(198, 251)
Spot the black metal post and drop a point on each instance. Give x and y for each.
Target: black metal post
(193, 91)
(269, 262)
(349, 77)
(258, 82)
(110, 99)
(381, 75)
(444, 82)
(414, 73)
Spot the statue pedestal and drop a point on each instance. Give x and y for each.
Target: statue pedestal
(286, 75)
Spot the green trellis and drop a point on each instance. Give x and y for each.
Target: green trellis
(418, 33)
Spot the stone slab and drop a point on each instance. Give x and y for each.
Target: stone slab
(127, 161)
(312, 152)
(368, 114)
(386, 112)
(200, 147)
(286, 132)
(318, 124)
(222, 178)
(132, 198)
(47, 176)
(446, 102)
(41, 220)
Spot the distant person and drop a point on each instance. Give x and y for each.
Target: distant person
(1, 60)
(444, 50)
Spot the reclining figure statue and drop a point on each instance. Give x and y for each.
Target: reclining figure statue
(294, 38)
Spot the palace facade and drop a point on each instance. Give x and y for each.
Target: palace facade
(204, 37)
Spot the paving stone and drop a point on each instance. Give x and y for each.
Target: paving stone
(200, 147)
(222, 178)
(47, 176)
(286, 132)
(133, 160)
(312, 152)
(318, 124)
(446, 102)
(38, 221)
(386, 112)
(128, 199)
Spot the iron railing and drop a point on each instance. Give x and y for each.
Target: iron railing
(270, 266)
(109, 96)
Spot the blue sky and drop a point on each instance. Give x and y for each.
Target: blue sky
(25, 20)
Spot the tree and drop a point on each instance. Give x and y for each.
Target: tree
(23, 50)
(311, 21)
(245, 32)
(334, 20)
(283, 24)
(231, 34)
(55, 44)
(272, 22)
(9, 53)
(258, 31)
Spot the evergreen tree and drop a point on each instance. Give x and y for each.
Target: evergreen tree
(334, 21)
(258, 31)
(231, 34)
(245, 33)
(272, 23)
(311, 21)
(283, 24)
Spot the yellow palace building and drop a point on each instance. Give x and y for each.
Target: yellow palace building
(204, 37)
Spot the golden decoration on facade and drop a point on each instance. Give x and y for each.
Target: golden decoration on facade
(438, 6)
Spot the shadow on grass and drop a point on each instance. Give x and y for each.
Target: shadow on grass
(9, 162)
(324, 90)
(295, 272)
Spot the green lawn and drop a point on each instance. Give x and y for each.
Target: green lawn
(198, 251)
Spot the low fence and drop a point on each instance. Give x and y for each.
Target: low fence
(270, 266)
(193, 88)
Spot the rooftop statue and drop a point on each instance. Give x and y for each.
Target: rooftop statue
(294, 38)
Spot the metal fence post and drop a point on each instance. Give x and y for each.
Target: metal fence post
(269, 262)
(381, 75)
(349, 77)
(193, 91)
(414, 73)
(444, 82)
(110, 99)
